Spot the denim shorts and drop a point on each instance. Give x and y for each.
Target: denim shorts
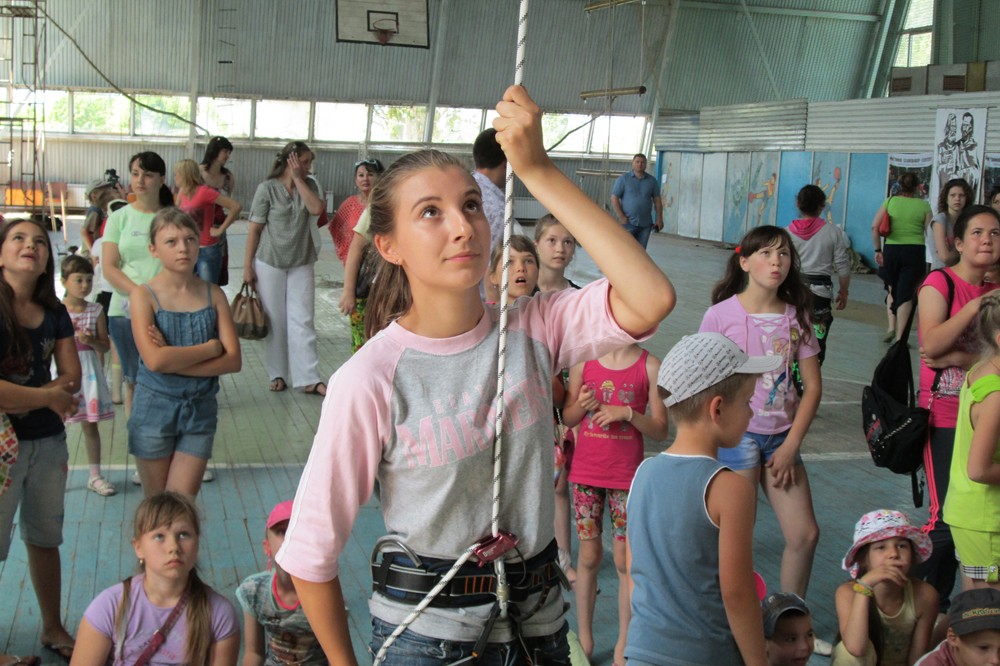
(120, 330)
(209, 264)
(162, 425)
(38, 485)
(754, 450)
(412, 649)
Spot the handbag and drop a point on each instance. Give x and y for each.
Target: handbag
(897, 430)
(8, 451)
(885, 222)
(248, 314)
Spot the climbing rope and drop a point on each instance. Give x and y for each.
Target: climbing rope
(503, 590)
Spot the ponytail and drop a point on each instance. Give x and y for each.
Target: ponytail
(390, 293)
(166, 196)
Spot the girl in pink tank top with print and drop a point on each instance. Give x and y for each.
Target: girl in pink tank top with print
(608, 398)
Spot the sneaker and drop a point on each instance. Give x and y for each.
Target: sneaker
(101, 486)
(821, 647)
(208, 476)
(135, 478)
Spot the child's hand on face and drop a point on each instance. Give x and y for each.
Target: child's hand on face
(885, 573)
(519, 130)
(587, 399)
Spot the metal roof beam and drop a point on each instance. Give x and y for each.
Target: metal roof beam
(720, 5)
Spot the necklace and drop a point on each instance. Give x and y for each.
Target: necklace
(277, 597)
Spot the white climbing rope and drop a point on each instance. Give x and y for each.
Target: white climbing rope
(503, 593)
(503, 590)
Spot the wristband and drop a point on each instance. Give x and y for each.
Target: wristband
(629, 419)
(878, 251)
(863, 588)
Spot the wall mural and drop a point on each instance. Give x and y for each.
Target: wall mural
(829, 172)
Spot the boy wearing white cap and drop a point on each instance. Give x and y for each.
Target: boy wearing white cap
(689, 551)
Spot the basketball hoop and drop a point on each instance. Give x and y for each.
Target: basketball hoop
(384, 29)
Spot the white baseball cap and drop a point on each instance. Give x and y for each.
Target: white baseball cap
(703, 360)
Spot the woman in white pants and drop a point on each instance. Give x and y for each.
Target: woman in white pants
(280, 257)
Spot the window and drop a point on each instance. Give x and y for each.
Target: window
(454, 125)
(398, 123)
(282, 119)
(223, 116)
(100, 113)
(555, 127)
(151, 123)
(53, 106)
(625, 136)
(915, 39)
(340, 122)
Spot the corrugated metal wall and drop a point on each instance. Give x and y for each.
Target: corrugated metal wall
(715, 60)
(679, 131)
(895, 124)
(769, 126)
(287, 48)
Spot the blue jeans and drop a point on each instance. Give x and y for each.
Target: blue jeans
(641, 234)
(412, 649)
(209, 264)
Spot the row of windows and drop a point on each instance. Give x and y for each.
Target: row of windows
(80, 112)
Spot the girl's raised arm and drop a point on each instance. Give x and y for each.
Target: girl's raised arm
(641, 295)
(938, 331)
(163, 359)
(230, 360)
(852, 616)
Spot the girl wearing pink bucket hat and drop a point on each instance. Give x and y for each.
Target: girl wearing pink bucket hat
(885, 615)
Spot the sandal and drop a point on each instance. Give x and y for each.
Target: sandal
(278, 385)
(315, 389)
(101, 486)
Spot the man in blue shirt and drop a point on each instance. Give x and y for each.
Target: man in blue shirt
(632, 196)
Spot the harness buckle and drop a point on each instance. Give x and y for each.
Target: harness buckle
(493, 547)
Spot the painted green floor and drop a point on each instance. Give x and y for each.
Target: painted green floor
(264, 439)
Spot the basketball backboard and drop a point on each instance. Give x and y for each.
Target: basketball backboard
(384, 22)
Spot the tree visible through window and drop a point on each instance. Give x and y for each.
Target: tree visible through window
(915, 38)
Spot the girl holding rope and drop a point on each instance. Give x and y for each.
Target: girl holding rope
(415, 409)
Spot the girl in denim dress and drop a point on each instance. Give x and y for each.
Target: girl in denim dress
(186, 338)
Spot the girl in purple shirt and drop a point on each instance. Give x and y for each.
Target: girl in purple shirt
(763, 305)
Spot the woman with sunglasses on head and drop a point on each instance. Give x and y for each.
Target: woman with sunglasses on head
(280, 258)
(342, 226)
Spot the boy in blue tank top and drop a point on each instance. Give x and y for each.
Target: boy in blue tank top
(689, 552)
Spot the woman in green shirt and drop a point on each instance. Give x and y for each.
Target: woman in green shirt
(902, 259)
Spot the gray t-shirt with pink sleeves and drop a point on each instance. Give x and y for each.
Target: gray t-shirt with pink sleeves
(418, 413)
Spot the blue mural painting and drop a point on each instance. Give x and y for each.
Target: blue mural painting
(829, 173)
(795, 171)
(737, 190)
